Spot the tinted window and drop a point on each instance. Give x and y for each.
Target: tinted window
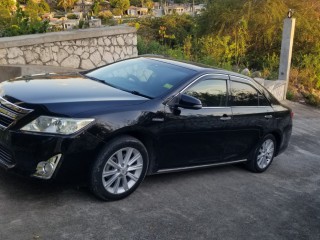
(243, 95)
(263, 101)
(271, 98)
(146, 76)
(212, 93)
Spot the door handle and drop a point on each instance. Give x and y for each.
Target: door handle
(268, 116)
(225, 117)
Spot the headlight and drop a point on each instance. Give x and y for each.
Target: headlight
(56, 125)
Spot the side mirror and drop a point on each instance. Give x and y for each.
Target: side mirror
(189, 102)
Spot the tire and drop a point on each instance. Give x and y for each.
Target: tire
(119, 168)
(262, 156)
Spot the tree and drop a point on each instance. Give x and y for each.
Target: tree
(44, 6)
(9, 4)
(65, 4)
(34, 10)
(4, 17)
(136, 3)
(96, 8)
(149, 4)
(122, 5)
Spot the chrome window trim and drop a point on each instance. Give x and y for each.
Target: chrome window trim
(214, 74)
(207, 74)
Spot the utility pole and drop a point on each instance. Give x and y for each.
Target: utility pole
(286, 48)
(193, 7)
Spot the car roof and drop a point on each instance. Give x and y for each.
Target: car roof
(198, 67)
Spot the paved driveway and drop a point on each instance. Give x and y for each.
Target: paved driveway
(219, 203)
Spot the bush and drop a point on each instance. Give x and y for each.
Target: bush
(116, 12)
(149, 47)
(312, 99)
(105, 15)
(72, 16)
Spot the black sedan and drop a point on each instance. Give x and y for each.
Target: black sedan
(141, 116)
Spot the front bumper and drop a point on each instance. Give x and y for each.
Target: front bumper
(21, 152)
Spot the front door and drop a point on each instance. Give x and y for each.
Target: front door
(197, 137)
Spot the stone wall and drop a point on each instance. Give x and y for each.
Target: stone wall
(82, 49)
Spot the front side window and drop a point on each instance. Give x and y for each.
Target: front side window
(211, 92)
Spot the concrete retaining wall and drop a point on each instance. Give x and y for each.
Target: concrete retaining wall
(12, 71)
(277, 88)
(81, 49)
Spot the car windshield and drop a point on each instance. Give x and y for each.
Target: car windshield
(142, 76)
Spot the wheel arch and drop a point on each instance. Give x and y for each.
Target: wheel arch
(148, 140)
(278, 137)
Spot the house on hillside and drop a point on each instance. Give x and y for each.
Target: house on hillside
(174, 8)
(199, 8)
(183, 9)
(137, 11)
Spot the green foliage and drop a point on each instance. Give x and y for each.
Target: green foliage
(5, 17)
(116, 11)
(24, 22)
(66, 4)
(219, 49)
(44, 6)
(8, 4)
(72, 16)
(122, 5)
(96, 8)
(81, 24)
(243, 33)
(312, 99)
(270, 65)
(149, 46)
(26, 27)
(290, 95)
(34, 10)
(179, 26)
(105, 15)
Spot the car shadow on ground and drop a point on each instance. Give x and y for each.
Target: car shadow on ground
(21, 188)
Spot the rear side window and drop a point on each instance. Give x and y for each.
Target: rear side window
(245, 95)
(211, 92)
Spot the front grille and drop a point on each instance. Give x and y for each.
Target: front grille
(6, 157)
(10, 113)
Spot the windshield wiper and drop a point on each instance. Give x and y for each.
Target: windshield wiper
(95, 79)
(139, 94)
(101, 81)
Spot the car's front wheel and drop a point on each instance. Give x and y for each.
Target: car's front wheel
(119, 168)
(261, 158)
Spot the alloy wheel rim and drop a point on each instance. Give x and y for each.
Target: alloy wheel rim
(122, 170)
(265, 154)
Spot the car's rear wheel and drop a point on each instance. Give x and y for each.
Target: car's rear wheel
(119, 169)
(262, 157)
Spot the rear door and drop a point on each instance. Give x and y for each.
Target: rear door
(253, 116)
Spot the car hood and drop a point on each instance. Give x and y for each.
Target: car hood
(72, 92)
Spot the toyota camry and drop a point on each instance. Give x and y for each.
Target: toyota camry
(137, 117)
